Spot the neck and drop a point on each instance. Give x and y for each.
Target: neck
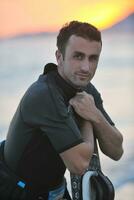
(75, 87)
(68, 89)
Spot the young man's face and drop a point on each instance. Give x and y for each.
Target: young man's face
(80, 60)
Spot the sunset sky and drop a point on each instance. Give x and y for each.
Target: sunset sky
(22, 16)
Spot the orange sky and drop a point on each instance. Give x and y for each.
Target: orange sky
(22, 16)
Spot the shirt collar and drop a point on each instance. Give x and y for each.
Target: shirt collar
(68, 90)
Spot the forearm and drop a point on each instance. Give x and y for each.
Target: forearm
(110, 139)
(87, 134)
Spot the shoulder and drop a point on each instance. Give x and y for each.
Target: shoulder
(91, 89)
(37, 92)
(42, 99)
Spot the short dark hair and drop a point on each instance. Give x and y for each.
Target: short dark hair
(82, 29)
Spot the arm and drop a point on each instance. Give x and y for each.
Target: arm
(110, 139)
(78, 157)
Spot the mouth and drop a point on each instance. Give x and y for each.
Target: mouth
(83, 76)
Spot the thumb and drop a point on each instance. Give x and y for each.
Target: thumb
(71, 102)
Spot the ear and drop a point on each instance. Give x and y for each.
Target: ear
(59, 57)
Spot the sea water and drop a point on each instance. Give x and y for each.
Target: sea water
(23, 59)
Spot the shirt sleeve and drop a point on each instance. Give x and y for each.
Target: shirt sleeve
(63, 135)
(101, 108)
(99, 103)
(39, 111)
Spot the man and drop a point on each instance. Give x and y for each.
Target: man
(57, 118)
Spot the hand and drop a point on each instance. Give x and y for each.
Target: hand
(84, 105)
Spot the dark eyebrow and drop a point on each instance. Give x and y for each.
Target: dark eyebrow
(79, 52)
(91, 56)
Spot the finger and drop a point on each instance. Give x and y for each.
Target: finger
(71, 102)
(83, 92)
(80, 93)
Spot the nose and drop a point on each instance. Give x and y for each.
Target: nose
(85, 66)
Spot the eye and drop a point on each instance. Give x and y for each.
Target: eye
(78, 56)
(93, 58)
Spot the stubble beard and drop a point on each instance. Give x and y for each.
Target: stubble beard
(77, 83)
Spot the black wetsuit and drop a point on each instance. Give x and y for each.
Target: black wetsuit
(42, 127)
